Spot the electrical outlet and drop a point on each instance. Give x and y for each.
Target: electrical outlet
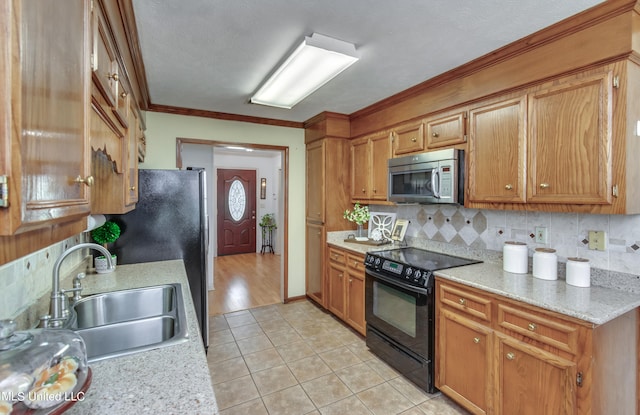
(597, 240)
(541, 235)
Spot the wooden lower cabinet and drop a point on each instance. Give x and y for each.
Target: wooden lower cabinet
(465, 350)
(346, 287)
(532, 381)
(498, 356)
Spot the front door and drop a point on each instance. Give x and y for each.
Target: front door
(236, 211)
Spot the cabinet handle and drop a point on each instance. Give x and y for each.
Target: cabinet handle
(413, 139)
(462, 301)
(132, 188)
(532, 327)
(508, 187)
(340, 275)
(350, 280)
(476, 340)
(113, 76)
(435, 134)
(88, 180)
(510, 356)
(544, 185)
(123, 94)
(374, 190)
(363, 190)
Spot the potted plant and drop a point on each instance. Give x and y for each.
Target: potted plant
(359, 215)
(108, 233)
(268, 221)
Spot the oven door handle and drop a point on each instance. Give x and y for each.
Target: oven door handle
(397, 283)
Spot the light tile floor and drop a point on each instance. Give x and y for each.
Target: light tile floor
(296, 359)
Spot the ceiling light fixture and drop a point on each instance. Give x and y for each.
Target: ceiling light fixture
(315, 62)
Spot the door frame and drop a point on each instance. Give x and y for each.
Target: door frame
(284, 153)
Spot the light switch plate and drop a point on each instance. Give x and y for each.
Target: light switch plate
(597, 240)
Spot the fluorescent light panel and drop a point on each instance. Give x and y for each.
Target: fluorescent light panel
(314, 63)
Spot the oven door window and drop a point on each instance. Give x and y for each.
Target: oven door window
(396, 308)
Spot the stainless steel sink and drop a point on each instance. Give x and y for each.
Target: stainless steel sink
(116, 306)
(124, 322)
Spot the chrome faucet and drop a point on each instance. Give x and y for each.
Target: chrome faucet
(59, 311)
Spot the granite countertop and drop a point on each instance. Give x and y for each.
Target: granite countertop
(595, 305)
(173, 379)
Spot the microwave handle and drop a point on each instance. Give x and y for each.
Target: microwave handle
(435, 182)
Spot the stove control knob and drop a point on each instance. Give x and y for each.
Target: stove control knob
(377, 261)
(409, 271)
(417, 276)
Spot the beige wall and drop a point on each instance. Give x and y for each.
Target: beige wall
(163, 129)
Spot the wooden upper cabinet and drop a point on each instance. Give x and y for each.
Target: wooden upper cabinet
(315, 181)
(369, 158)
(131, 176)
(446, 129)
(496, 151)
(44, 101)
(360, 169)
(104, 65)
(569, 143)
(408, 138)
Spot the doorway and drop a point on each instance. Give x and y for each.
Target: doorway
(234, 156)
(236, 200)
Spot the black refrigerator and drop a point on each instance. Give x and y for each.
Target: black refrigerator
(170, 221)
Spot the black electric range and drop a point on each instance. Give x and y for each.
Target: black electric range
(413, 266)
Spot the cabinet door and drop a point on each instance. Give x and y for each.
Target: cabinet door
(315, 181)
(497, 152)
(446, 130)
(315, 282)
(408, 139)
(463, 368)
(532, 381)
(569, 148)
(44, 110)
(355, 293)
(380, 146)
(336, 289)
(103, 59)
(360, 170)
(131, 187)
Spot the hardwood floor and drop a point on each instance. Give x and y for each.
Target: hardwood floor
(244, 281)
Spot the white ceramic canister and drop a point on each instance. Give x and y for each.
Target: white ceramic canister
(514, 257)
(578, 272)
(545, 264)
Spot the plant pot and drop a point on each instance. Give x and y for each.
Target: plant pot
(361, 234)
(102, 266)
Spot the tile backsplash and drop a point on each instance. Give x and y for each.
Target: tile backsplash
(567, 233)
(27, 279)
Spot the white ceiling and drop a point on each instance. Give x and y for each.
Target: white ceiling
(213, 54)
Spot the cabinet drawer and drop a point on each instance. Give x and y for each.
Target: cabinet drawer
(355, 263)
(337, 256)
(465, 302)
(542, 328)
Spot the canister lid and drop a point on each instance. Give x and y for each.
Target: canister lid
(575, 259)
(514, 243)
(546, 250)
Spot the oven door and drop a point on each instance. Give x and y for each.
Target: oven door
(401, 312)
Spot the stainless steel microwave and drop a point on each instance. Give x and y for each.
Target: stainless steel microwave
(431, 177)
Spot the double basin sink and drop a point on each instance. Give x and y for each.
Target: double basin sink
(120, 323)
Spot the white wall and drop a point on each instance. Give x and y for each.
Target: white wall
(163, 129)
